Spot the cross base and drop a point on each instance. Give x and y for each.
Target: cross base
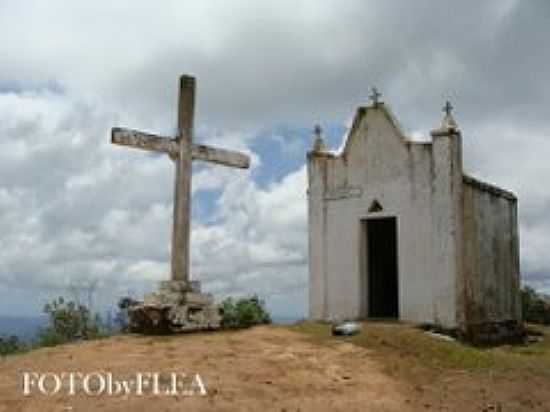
(177, 306)
(180, 286)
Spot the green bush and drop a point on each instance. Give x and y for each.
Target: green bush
(122, 317)
(9, 345)
(536, 308)
(243, 313)
(67, 322)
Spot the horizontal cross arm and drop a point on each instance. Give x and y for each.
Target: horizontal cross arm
(144, 141)
(220, 156)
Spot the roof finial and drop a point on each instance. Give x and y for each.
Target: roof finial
(375, 96)
(448, 108)
(317, 130)
(318, 143)
(448, 122)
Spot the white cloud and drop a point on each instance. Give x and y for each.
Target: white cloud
(72, 206)
(104, 212)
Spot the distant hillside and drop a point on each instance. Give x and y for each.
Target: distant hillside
(24, 328)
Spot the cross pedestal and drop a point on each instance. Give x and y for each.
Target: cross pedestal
(180, 298)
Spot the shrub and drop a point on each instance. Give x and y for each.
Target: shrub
(9, 345)
(67, 322)
(121, 318)
(536, 308)
(243, 313)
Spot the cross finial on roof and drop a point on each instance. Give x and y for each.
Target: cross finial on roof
(448, 122)
(375, 96)
(448, 108)
(317, 130)
(318, 143)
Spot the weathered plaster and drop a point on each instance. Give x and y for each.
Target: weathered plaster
(424, 187)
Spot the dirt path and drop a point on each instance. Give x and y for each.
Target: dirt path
(262, 369)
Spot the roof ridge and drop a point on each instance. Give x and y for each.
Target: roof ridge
(488, 187)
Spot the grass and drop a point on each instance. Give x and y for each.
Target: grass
(410, 352)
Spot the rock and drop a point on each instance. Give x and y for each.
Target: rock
(175, 307)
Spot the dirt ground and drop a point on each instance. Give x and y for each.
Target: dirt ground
(262, 369)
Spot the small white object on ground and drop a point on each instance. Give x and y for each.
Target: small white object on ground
(346, 328)
(441, 336)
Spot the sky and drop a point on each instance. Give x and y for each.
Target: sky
(77, 212)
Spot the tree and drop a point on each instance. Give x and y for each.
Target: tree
(536, 309)
(121, 319)
(67, 322)
(9, 345)
(244, 312)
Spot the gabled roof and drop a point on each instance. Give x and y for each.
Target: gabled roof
(363, 111)
(448, 124)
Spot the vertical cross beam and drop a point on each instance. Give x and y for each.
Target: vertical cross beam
(182, 189)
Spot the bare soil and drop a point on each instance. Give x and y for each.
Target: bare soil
(271, 368)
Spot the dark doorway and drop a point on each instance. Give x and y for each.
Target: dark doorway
(382, 268)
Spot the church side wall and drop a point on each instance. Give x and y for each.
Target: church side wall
(491, 257)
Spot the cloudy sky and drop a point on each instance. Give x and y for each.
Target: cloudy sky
(76, 210)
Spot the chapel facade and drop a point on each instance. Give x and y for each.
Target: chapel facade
(398, 230)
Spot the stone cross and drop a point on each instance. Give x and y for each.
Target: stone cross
(182, 150)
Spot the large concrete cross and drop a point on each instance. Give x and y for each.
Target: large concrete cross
(182, 150)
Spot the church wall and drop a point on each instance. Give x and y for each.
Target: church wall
(458, 249)
(491, 256)
(401, 175)
(342, 261)
(446, 228)
(317, 237)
